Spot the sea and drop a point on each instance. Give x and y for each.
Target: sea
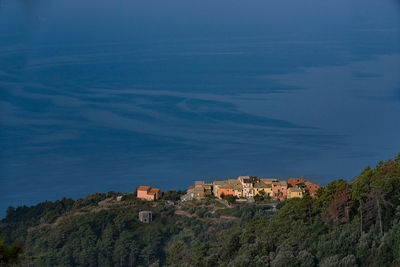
(112, 94)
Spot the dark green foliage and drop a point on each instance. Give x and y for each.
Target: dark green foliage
(10, 255)
(230, 198)
(173, 195)
(259, 198)
(303, 233)
(349, 224)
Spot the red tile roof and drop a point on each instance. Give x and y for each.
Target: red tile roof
(154, 190)
(143, 188)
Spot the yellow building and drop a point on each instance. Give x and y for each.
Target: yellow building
(293, 192)
(261, 188)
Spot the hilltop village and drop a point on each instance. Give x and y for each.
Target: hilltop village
(243, 188)
(236, 222)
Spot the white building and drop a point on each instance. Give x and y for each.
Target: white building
(247, 183)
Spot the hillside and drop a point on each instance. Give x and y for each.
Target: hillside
(348, 224)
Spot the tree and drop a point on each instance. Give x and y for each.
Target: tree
(10, 255)
(173, 195)
(87, 255)
(284, 258)
(146, 254)
(258, 198)
(133, 253)
(330, 261)
(121, 253)
(126, 249)
(360, 191)
(327, 193)
(348, 261)
(105, 245)
(306, 259)
(375, 200)
(339, 208)
(177, 253)
(230, 198)
(372, 188)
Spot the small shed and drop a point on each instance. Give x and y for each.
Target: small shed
(145, 216)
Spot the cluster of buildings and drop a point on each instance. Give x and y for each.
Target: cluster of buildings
(244, 187)
(247, 187)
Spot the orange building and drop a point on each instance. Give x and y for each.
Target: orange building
(148, 193)
(295, 181)
(226, 189)
(311, 188)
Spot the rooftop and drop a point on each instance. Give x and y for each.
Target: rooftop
(143, 188)
(295, 189)
(280, 183)
(269, 180)
(154, 190)
(262, 185)
(144, 212)
(226, 186)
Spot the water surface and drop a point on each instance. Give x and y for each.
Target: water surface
(106, 95)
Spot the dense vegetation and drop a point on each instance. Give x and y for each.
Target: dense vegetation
(349, 224)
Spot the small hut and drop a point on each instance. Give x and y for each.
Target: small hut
(145, 216)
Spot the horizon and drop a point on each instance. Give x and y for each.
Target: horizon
(105, 95)
(211, 180)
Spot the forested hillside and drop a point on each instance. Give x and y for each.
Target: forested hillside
(350, 223)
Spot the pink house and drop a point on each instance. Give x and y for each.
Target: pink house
(148, 193)
(280, 189)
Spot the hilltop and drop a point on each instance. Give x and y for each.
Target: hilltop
(353, 223)
(102, 230)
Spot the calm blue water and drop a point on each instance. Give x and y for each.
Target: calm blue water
(109, 94)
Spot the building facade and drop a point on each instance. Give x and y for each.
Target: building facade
(145, 216)
(280, 189)
(264, 189)
(201, 189)
(247, 183)
(311, 188)
(249, 186)
(294, 192)
(226, 189)
(148, 193)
